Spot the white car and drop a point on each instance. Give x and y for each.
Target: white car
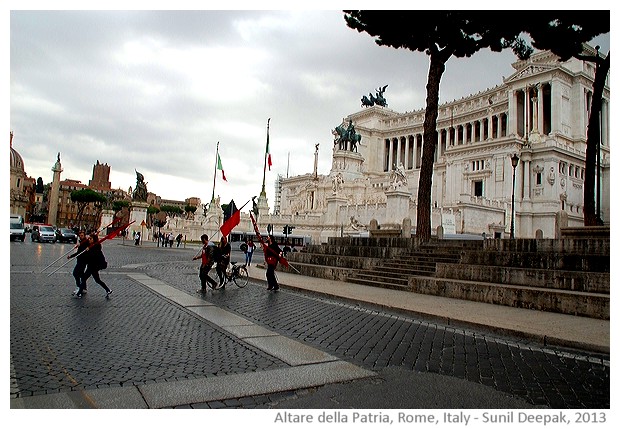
(43, 233)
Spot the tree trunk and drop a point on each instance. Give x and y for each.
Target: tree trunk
(423, 228)
(80, 212)
(592, 144)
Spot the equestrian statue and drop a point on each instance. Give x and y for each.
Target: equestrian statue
(346, 138)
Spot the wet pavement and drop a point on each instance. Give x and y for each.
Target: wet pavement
(156, 343)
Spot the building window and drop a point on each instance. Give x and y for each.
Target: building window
(478, 188)
(539, 179)
(477, 165)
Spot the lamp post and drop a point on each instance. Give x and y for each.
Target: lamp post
(514, 159)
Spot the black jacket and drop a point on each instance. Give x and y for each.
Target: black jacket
(95, 258)
(82, 257)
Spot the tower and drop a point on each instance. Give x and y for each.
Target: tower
(101, 177)
(54, 192)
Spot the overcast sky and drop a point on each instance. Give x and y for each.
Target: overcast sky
(155, 91)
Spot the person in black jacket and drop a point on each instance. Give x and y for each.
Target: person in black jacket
(80, 263)
(223, 260)
(95, 261)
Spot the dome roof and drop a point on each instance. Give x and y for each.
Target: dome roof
(17, 162)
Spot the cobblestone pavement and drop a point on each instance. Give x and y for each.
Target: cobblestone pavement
(59, 343)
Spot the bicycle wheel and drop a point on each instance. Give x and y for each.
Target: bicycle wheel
(241, 277)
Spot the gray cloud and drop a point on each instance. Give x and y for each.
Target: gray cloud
(154, 91)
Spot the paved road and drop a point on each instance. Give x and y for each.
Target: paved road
(143, 338)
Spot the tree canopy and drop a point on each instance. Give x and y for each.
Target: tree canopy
(85, 196)
(117, 205)
(171, 210)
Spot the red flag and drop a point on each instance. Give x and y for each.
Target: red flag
(233, 220)
(231, 223)
(115, 232)
(260, 237)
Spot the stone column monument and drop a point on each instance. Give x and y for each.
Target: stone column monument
(54, 192)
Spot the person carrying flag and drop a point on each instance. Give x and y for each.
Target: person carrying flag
(83, 258)
(80, 263)
(273, 254)
(222, 263)
(95, 261)
(206, 262)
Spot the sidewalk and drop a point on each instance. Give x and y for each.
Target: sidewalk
(544, 327)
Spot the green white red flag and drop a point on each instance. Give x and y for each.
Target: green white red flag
(219, 167)
(268, 153)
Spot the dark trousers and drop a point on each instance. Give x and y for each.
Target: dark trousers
(95, 273)
(272, 282)
(220, 269)
(204, 278)
(78, 273)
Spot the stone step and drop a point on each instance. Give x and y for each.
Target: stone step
(550, 279)
(564, 276)
(388, 269)
(540, 260)
(379, 284)
(379, 277)
(407, 265)
(593, 305)
(413, 259)
(343, 261)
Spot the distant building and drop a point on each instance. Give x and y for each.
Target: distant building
(540, 113)
(22, 187)
(101, 177)
(67, 215)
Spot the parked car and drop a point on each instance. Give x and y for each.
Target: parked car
(66, 235)
(43, 233)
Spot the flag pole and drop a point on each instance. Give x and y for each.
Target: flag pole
(61, 256)
(262, 192)
(217, 148)
(77, 245)
(66, 262)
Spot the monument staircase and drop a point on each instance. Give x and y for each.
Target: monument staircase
(569, 275)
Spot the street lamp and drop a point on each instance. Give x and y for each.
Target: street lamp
(514, 159)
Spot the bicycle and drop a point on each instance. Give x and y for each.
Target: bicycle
(237, 274)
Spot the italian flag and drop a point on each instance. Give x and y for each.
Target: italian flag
(219, 167)
(268, 153)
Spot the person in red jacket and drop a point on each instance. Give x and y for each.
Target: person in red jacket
(206, 262)
(273, 253)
